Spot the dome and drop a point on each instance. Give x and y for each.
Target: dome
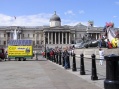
(55, 18)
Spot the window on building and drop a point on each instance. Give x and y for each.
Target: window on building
(41, 35)
(33, 42)
(28, 35)
(4, 42)
(79, 35)
(22, 35)
(4, 35)
(37, 35)
(8, 34)
(33, 35)
(37, 42)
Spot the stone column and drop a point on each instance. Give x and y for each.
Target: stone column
(44, 37)
(62, 38)
(74, 36)
(10, 35)
(96, 36)
(39, 38)
(35, 38)
(69, 38)
(66, 38)
(91, 34)
(55, 37)
(6, 38)
(51, 37)
(48, 37)
(59, 38)
(20, 35)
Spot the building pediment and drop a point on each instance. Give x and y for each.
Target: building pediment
(57, 28)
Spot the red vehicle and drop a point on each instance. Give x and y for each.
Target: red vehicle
(2, 54)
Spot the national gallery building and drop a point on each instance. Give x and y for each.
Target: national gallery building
(52, 35)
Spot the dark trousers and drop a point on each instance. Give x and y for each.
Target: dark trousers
(66, 63)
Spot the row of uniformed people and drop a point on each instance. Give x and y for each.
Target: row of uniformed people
(60, 57)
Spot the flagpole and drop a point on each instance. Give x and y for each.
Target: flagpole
(14, 20)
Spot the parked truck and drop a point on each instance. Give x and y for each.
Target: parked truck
(20, 50)
(2, 54)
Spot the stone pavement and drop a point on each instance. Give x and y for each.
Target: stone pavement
(40, 74)
(66, 79)
(87, 77)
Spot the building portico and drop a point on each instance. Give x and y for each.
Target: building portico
(57, 37)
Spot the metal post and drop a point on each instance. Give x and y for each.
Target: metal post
(68, 60)
(60, 57)
(94, 70)
(63, 61)
(54, 60)
(82, 68)
(74, 63)
(112, 72)
(57, 57)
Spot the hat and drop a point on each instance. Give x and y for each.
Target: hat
(100, 49)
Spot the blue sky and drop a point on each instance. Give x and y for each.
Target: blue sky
(71, 12)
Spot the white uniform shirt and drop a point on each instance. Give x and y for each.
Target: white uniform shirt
(101, 54)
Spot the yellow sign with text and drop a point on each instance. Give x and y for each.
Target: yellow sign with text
(20, 51)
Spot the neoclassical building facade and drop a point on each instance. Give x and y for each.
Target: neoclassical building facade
(53, 35)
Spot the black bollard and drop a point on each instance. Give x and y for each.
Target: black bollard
(57, 57)
(48, 56)
(94, 70)
(63, 61)
(54, 56)
(60, 57)
(82, 68)
(45, 54)
(68, 61)
(74, 63)
(112, 72)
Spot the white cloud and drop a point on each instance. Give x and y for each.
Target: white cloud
(33, 20)
(81, 12)
(69, 12)
(73, 23)
(30, 20)
(114, 16)
(117, 2)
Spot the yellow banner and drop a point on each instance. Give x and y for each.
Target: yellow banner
(20, 51)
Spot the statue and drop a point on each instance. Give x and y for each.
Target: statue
(15, 33)
(111, 34)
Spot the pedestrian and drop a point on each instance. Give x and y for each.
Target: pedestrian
(51, 55)
(99, 43)
(72, 52)
(101, 55)
(43, 53)
(66, 55)
(6, 55)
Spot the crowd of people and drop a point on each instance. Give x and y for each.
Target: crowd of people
(53, 53)
(108, 44)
